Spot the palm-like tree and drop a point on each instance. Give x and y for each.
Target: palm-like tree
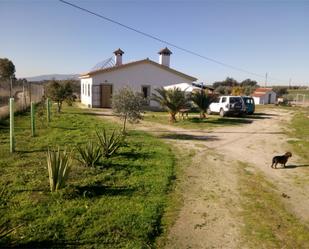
(202, 100)
(172, 99)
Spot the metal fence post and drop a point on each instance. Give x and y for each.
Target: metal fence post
(12, 135)
(32, 119)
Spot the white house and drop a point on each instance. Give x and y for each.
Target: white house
(142, 76)
(264, 96)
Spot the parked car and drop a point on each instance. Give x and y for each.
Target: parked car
(249, 103)
(225, 105)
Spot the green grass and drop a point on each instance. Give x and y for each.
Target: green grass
(194, 122)
(267, 223)
(117, 206)
(299, 129)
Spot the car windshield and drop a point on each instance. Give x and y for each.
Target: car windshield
(235, 100)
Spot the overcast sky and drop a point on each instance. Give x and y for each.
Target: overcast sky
(46, 37)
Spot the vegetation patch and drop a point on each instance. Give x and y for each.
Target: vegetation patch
(267, 224)
(299, 129)
(117, 205)
(195, 122)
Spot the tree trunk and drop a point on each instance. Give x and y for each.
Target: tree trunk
(172, 117)
(124, 124)
(59, 104)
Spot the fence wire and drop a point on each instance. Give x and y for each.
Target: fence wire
(23, 95)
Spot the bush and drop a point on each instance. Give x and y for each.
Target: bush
(58, 165)
(109, 144)
(89, 154)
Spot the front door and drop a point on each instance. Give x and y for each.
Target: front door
(106, 96)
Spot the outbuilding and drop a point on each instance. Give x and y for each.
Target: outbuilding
(264, 96)
(98, 86)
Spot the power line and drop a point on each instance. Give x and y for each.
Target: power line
(164, 41)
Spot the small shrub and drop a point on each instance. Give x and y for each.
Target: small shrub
(89, 154)
(109, 143)
(58, 165)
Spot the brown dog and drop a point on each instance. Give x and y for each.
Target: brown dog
(281, 159)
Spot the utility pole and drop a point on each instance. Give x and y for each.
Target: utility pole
(11, 85)
(266, 79)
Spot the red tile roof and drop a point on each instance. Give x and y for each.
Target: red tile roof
(263, 89)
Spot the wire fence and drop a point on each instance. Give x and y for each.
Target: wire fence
(23, 96)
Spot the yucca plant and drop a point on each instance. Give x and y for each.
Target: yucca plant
(58, 165)
(89, 154)
(109, 143)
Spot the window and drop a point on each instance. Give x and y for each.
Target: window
(223, 99)
(83, 90)
(88, 89)
(146, 91)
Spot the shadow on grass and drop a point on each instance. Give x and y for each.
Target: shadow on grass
(91, 191)
(293, 166)
(90, 113)
(31, 151)
(134, 155)
(221, 121)
(189, 137)
(47, 244)
(263, 114)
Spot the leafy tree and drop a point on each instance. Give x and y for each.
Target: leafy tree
(172, 99)
(230, 82)
(248, 90)
(59, 92)
(7, 69)
(237, 91)
(223, 90)
(202, 100)
(128, 105)
(249, 82)
(280, 90)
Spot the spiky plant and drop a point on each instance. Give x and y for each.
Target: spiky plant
(89, 154)
(172, 99)
(58, 164)
(202, 100)
(109, 143)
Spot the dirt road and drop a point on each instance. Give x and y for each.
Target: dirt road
(210, 220)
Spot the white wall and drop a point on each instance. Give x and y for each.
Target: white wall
(264, 99)
(85, 99)
(135, 77)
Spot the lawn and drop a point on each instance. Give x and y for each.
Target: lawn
(119, 205)
(194, 122)
(267, 223)
(299, 131)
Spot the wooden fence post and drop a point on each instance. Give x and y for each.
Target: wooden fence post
(12, 135)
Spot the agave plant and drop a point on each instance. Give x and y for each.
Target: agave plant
(58, 165)
(89, 154)
(109, 143)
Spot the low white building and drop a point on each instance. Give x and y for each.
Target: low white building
(264, 96)
(142, 76)
(185, 87)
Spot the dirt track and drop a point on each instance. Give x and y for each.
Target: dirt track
(205, 222)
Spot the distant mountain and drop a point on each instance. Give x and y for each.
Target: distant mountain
(53, 76)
